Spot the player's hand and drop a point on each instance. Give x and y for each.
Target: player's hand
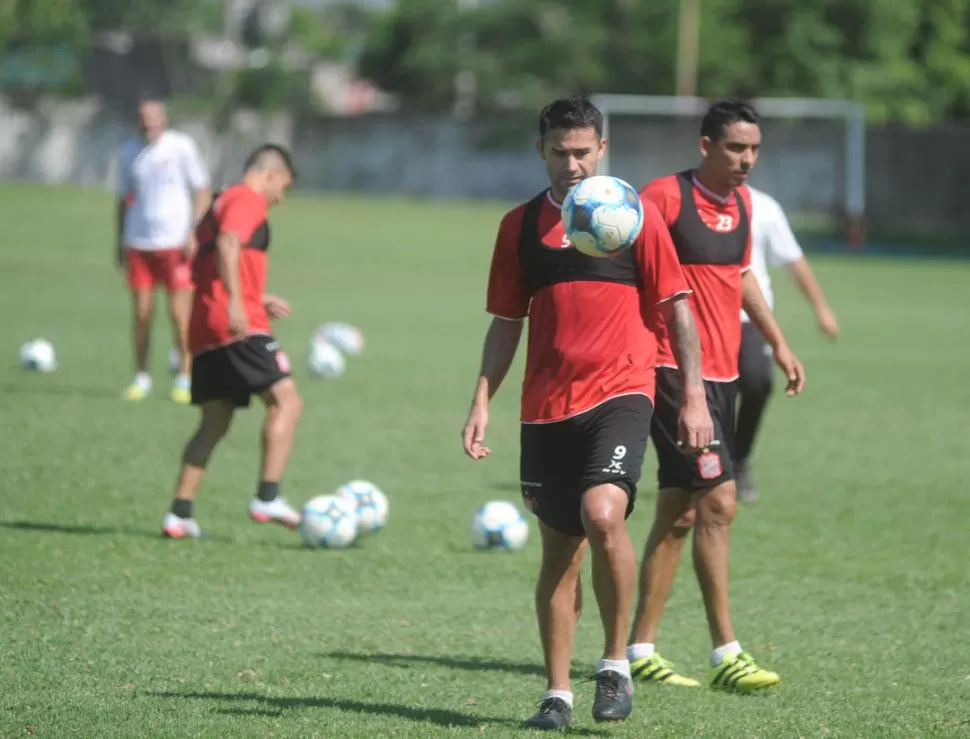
(276, 307)
(190, 248)
(793, 369)
(696, 429)
(473, 435)
(828, 324)
(238, 323)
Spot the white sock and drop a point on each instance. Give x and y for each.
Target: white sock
(564, 695)
(640, 651)
(717, 657)
(143, 380)
(183, 380)
(617, 665)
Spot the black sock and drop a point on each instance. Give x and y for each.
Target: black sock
(268, 491)
(182, 508)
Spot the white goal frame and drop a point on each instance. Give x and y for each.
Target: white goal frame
(853, 114)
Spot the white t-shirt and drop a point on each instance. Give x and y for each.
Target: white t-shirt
(161, 177)
(772, 242)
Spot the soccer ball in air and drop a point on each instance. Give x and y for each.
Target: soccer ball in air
(325, 360)
(499, 525)
(38, 355)
(345, 337)
(602, 215)
(328, 521)
(370, 503)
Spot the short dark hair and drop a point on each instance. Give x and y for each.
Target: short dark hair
(268, 155)
(725, 112)
(569, 114)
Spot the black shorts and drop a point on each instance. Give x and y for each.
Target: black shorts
(238, 370)
(561, 460)
(692, 470)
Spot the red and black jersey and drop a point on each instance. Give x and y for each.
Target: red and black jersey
(587, 340)
(712, 236)
(241, 211)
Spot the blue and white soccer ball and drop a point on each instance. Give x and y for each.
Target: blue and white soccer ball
(369, 502)
(328, 521)
(38, 355)
(325, 360)
(602, 215)
(499, 525)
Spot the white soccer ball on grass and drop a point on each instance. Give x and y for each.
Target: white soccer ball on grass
(602, 215)
(325, 360)
(345, 337)
(499, 525)
(328, 521)
(370, 503)
(38, 355)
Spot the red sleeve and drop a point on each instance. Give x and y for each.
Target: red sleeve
(242, 214)
(746, 204)
(660, 270)
(664, 192)
(507, 293)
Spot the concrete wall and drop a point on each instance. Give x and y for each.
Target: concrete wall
(915, 179)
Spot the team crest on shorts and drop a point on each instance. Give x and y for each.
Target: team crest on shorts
(283, 362)
(709, 466)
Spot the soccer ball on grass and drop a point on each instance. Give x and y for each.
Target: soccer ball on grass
(499, 525)
(38, 355)
(369, 502)
(602, 216)
(328, 521)
(325, 360)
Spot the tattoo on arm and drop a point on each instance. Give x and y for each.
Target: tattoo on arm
(686, 343)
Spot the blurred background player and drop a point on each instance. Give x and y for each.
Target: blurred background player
(708, 212)
(772, 244)
(234, 354)
(586, 399)
(164, 189)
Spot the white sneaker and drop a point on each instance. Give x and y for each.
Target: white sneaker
(277, 510)
(180, 528)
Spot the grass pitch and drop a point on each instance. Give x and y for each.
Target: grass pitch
(849, 577)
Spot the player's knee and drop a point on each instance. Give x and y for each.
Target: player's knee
(684, 523)
(603, 510)
(719, 505)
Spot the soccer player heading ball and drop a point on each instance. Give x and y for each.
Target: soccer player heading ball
(586, 399)
(234, 354)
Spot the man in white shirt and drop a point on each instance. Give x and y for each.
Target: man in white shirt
(163, 189)
(773, 244)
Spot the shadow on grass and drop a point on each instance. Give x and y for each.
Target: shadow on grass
(473, 664)
(83, 529)
(62, 391)
(277, 706)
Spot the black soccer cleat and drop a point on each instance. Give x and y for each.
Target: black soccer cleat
(614, 696)
(553, 713)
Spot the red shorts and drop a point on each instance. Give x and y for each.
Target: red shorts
(162, 266)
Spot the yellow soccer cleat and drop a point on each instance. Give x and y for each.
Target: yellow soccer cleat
(181, 395)
(740, 673)
(655, 669)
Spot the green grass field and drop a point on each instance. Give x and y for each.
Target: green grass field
(850, 576)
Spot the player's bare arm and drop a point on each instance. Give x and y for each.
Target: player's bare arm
(228, 247)
(275, 306)
(501, 343)
(696, 426)
(803, 275)
(754, 304)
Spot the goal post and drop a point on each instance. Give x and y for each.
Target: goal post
(813, 161)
